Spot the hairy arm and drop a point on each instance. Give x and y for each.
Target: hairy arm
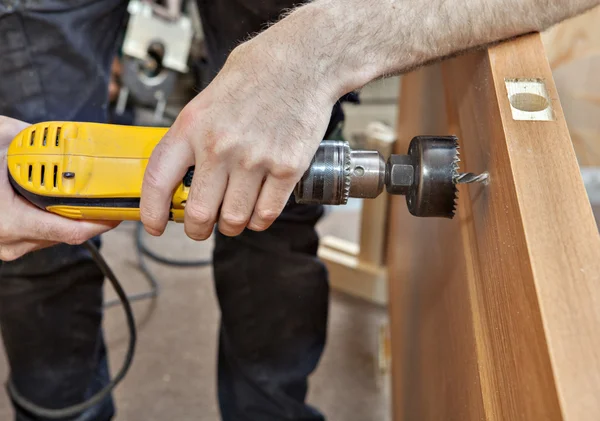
(357, 41)
(253, 131)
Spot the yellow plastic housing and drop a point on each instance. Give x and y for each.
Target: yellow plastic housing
(86, 170)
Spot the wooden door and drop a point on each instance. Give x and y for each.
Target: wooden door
(495, 315)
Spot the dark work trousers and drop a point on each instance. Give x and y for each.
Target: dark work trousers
(55, 59)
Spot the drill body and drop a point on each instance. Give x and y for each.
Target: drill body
(86, 170)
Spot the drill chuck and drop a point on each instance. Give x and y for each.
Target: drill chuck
(426, 175)
(327, 180)
(337, 173)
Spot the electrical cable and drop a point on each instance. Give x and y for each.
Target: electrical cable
(71, 411)
(125, 300)
(142, 250)
(171, 262)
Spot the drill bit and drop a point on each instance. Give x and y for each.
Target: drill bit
(469, 177)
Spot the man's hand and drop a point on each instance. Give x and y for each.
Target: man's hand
(253, 131)
(251, 135)
(25, 228)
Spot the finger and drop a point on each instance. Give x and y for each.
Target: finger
(273, 197)
(204, 200)
(12, 252)
(9, 128)
(243, 189)
(166, 168)
(34, 224)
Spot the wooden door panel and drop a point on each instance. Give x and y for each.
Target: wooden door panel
(495, 315)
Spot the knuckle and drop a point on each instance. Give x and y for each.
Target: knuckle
(152, 218)
(286, 170)
(220, 146)
(230, 232)
(263, 219)
(149, 215)
(196, 234)
(199, 215)
(234, 219)
(251, 163)
(153, 179)
(267, 215)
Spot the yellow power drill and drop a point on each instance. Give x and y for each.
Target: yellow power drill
(95, 171)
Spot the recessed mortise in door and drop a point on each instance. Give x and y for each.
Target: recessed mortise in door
(529, 99)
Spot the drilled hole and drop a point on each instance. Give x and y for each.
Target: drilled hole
(42, 175)
(529, 102)
(45, 136)
(55, 175)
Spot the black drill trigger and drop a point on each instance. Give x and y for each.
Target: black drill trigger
(189, 175)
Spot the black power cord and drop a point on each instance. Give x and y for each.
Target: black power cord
(123, 299)
(71, 411)
(142, 250)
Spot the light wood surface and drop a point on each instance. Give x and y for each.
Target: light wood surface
(350, 274)
(495, 315)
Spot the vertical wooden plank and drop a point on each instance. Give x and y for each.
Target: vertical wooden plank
(559, 228)
(511, 346)
(496, 314)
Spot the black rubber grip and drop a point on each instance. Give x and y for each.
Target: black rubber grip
(189, 175)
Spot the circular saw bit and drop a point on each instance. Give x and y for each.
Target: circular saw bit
(433, 192)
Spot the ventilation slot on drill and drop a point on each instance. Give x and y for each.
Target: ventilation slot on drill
(57, 136)
(30, 172)
(32, 138)
(55, 175)
(45, 136)
(42, 173)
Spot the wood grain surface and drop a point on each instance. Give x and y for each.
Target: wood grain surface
(495, 315)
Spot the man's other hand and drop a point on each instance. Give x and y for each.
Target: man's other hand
(24, 227)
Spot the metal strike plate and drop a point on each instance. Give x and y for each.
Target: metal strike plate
(529, 99)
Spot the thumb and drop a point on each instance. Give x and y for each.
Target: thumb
(35, 224)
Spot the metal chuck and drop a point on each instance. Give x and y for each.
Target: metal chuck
(427, 175)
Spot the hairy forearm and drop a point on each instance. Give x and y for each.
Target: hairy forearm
(351, 42)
